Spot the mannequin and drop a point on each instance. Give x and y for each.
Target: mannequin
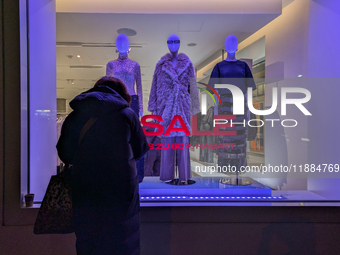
(174, 92)
(128, 71)
(235, 72)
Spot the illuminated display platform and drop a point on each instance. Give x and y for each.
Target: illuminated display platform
(204, 189)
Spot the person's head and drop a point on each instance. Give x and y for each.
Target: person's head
(173, 43)
(231, 44)
(115, 84)
(122, 44)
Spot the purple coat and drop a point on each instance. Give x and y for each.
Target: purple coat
(174, 91)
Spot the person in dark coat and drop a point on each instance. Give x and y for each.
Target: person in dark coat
(105, 180)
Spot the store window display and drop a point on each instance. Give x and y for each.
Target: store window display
(235, 72)
(174, 92)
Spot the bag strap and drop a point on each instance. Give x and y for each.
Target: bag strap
(86, 127)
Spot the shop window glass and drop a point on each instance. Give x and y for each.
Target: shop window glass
(69, 52)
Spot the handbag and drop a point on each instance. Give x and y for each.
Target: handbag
(55, 213)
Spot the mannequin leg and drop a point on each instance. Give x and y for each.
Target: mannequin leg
(150, 158)
(183, 159)
(167, 160)
(139, 163)
(135, 104)
(157, 164)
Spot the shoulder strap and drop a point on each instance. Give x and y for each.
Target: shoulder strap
(86, 127)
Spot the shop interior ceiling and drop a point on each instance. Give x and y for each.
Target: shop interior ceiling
(86, 35)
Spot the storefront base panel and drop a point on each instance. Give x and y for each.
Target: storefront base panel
(201, 231)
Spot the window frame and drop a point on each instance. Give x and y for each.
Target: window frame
(12, 214)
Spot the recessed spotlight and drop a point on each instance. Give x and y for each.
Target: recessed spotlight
(300, 75)
(192, 44)
(127, 31)
(69, 56)
(78, 56)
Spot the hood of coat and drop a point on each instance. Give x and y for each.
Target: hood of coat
(183, 62)
(99, 99)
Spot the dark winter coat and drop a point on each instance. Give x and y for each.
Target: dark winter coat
(105, 188)
(174, 91)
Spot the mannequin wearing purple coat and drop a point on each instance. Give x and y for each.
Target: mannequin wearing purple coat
(174, 92)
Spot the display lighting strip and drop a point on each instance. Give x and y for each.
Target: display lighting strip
(208, 198)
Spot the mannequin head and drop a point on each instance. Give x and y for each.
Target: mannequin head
(231, 44)
(173, 43)
(122, 43)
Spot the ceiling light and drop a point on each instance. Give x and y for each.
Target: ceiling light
(192, 44)
(96, 45)
(300, 76)
(78, 56)
(127, 31)
(86, 66)
(68, 44)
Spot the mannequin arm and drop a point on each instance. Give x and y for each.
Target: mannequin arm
(193, 90)
(214, 77)
(138, 80)
(152, 105)
(109, 69)
(249, 78)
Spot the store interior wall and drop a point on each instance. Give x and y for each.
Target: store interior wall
(256, 51)
(324, 41)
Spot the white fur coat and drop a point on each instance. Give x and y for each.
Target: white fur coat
(174, 91)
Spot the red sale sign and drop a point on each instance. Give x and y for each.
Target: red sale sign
(219, 121)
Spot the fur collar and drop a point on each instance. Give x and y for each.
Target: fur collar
(182, 64)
